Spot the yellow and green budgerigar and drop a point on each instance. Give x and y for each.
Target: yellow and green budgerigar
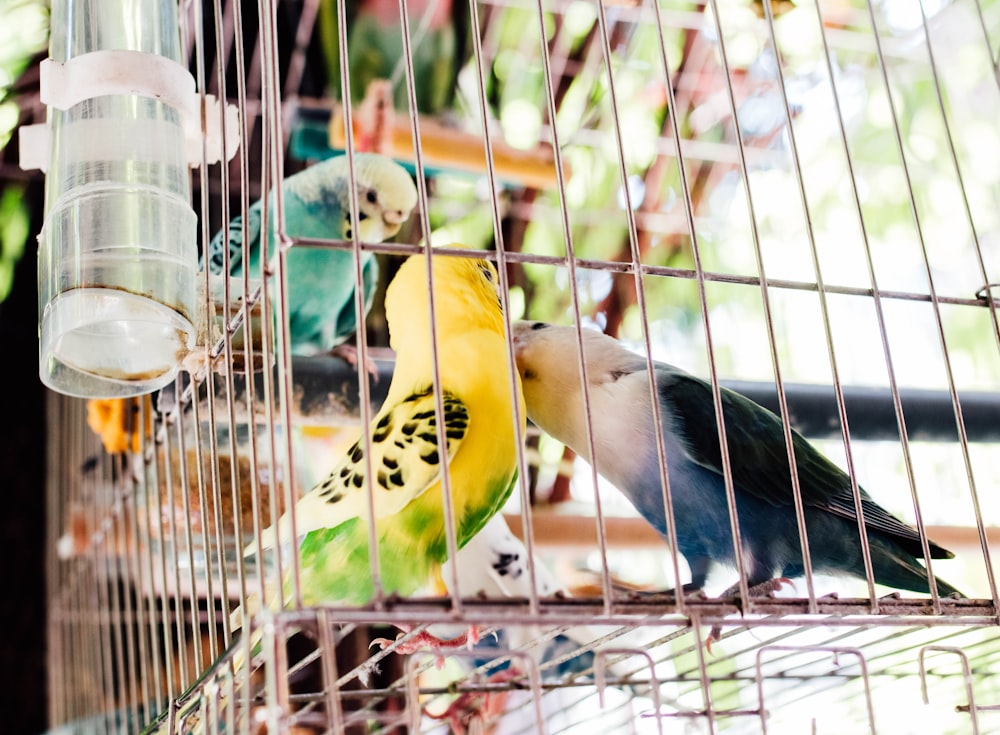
(331, 520)
(481, 452)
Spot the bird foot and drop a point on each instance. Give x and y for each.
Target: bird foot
(349, 354)
(764, 589)
(424, 641)
(690, 589)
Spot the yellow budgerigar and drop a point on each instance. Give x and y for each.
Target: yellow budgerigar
(406, 462)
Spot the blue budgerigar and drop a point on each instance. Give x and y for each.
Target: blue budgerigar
(626, 454)
(321, 311)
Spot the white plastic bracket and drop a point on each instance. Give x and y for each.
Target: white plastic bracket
(121, 72)
(108, 72)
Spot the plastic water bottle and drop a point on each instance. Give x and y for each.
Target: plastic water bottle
(117, 256)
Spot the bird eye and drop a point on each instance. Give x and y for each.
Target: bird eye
(371, 196)
(538, 325)
(487, 272)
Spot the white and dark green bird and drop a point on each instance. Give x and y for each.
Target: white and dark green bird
(321, 281)
(626, 454)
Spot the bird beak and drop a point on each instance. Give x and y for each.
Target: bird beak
(394, 216)
(516, 342)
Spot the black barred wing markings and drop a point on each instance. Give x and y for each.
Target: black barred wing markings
(235, 242)
(405, 456)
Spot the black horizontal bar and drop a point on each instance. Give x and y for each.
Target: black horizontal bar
(327, 386)
(871, 415)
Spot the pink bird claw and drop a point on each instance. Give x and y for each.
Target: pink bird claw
(382, 643)
(783, 581)
(708, 643)
(763, 589)
(768, 588)
(349, 354)
(472, 711)
(715, 634)
(424, 641)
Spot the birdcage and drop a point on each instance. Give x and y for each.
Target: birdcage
(796, 201)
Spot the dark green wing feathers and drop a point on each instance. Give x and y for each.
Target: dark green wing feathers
(759, 459)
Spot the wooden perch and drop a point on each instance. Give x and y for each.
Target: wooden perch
(377, 127)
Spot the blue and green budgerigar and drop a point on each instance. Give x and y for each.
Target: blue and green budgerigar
(321, 310)
(406, 460)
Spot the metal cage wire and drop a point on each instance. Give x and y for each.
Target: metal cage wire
(785, 199)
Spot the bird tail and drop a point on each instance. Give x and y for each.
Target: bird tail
(898, 568)
(269, 536)
(945, 590)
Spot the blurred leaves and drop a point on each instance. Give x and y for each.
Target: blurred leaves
(23, 33)
(844, 201)
(849, 131)
(14, 230)
(439, 47)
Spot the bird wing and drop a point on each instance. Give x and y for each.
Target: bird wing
(347, 318)
(758, 457)
(405, 460)
(237, 233)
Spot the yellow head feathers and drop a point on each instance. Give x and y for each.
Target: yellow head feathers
(465, 288)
